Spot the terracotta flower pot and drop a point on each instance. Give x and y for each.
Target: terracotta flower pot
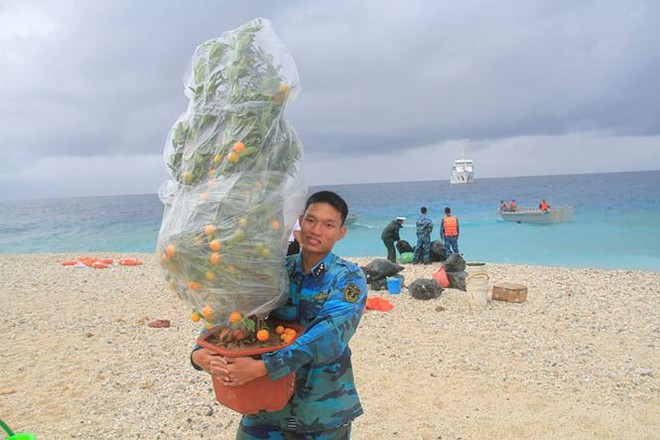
(260, 394)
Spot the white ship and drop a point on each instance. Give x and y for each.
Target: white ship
(462, 171)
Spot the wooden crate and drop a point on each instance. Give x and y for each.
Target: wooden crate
(509, 292)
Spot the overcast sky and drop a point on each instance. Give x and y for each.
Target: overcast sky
(391, 90)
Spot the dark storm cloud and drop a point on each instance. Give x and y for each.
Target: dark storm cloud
(110, 80)
(483, 73)
(104, 79)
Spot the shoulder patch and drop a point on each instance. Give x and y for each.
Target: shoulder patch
(351, 292)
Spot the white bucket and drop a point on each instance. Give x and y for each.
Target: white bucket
(477, 289)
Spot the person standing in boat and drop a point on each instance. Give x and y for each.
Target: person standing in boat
(543, 206)
(424, 228)
(390, 235)
(512, 205)
(449, 231)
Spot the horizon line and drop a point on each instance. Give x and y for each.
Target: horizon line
(343, 184)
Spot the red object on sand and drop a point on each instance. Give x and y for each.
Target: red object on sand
(440, 277)
(159, 323)
(379, 304)
(87, 261)
(130, 262)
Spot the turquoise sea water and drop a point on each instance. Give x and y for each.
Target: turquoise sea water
(616, 223)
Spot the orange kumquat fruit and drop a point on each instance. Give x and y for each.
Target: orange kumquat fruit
(262, 335)
(238, 147)
(207, 312)
(234, 317)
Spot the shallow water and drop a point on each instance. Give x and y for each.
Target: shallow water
(616, 223)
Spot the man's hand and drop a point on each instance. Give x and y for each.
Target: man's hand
(203, 359)
(232, 372)
(238, 371)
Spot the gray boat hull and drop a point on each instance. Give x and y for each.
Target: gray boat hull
(530, 215)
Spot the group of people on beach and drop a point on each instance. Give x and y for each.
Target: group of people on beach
(327, 296)
(449, 231)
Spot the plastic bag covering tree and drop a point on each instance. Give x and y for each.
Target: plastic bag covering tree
(237, 177)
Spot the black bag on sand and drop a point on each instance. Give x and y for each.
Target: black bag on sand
(454, 263)
(380, 269)
(403, 246)
(457, 280)
(423, 288)
(437, 252)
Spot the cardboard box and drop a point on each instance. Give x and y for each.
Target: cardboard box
(509, 292)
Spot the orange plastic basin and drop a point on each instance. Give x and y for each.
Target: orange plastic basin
(262, 394)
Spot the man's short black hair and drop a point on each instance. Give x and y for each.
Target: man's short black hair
(331, 198)
(447, 210)
(423, 209)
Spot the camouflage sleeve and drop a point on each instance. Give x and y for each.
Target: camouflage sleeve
(328, 335)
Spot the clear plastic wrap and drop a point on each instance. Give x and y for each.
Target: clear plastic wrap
(237, 173)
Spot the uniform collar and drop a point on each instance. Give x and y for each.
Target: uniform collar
(319, 269)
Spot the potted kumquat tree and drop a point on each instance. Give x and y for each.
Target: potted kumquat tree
(237, 187)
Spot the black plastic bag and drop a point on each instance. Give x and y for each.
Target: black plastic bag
(423, 288)
(457, 280)
(380, 268)
(454, 263)
(437, 252)
(403, 246)
(379, 285)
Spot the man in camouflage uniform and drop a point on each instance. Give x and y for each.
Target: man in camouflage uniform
(424, 228)
(327, 296)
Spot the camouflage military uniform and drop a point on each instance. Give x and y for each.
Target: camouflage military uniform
(423, 249)
(329, 303)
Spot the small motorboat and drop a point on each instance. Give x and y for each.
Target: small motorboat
(534, 215)
(350, 219)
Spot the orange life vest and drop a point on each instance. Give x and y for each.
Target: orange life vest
(544, 205)
(451, 226)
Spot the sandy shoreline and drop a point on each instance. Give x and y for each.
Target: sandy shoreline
(578, 360)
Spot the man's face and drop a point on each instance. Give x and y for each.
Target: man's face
(320, 228)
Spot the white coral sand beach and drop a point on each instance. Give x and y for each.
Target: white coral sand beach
(578, 360)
